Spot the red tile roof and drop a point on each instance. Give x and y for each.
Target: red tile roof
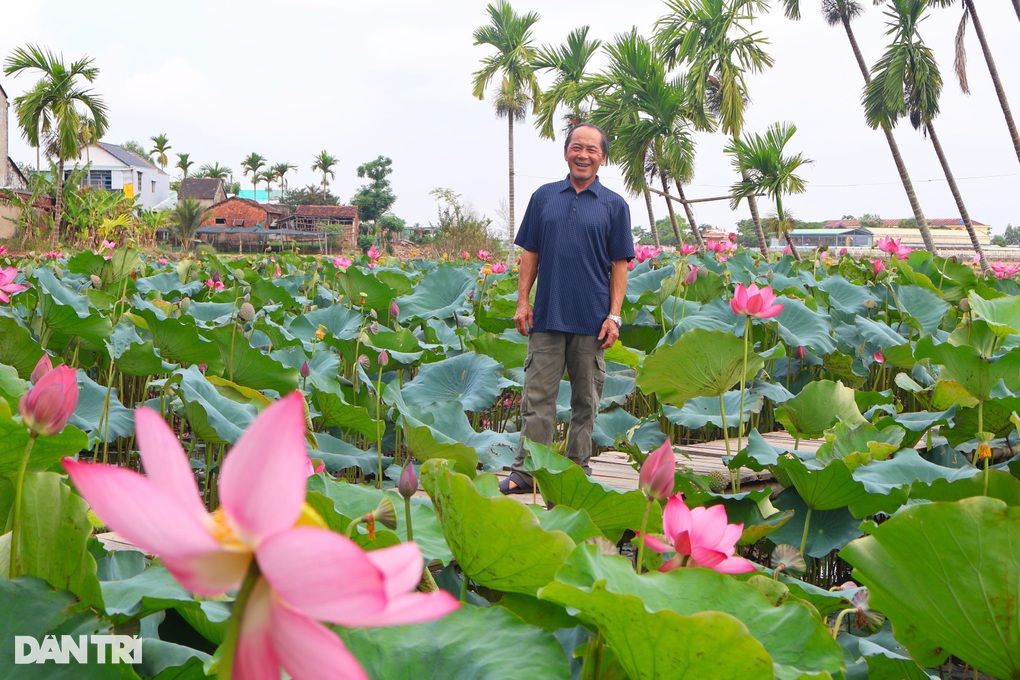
(199, 187)
(327, 210)
(936, 222)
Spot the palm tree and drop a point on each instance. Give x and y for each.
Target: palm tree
(186, 219)
(251, 165)
(842, 12)
(56, 107)
(510, 34)
(160, 145)
(906, 82)
(651, 120)
(214, 171)
(765, 169)
(710, 37)
(324, 163)
(281, 169)
(268, 176)
(184, 163)
(568, 62)
(969, 12)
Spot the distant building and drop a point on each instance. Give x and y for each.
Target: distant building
(114, 168)
(948, 233)
(10, 175)
(859, 237)
(207, 191)
(341, 220)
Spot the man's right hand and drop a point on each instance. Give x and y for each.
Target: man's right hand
(524, 318)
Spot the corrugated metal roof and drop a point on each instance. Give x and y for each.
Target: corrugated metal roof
(863, 231)
(126, 157)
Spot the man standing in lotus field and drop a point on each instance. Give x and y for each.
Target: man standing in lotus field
(577, 243)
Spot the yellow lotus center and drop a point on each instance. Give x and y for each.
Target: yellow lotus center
(223, 530)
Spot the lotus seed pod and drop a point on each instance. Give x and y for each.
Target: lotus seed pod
(97, 282)
(386, 513)
(364, 361)
(373, 328)
(246, 313)
(718, 481)
(870, 304)
(185, 304)
(965, 305)
(790, 559)
(239, 275)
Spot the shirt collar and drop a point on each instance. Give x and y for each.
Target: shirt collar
(595, 187)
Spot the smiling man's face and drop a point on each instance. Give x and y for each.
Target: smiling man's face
(584, 156)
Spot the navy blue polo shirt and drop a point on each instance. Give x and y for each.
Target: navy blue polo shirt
(577, 236)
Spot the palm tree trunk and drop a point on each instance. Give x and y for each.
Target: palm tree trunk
(781, 216)
(669, 208)
(58, 207)
(1016, 6)
(901, 167)
(510, 151)
(964, 215)
(690, 215)
(752, 203)
(999, 91)
(651, 216)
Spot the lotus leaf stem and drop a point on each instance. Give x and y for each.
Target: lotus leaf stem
(644, 532)
(807, 525)
(19, 488)
(234, 623)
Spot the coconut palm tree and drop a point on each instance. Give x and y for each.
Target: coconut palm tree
(56, 107)
(160, 145)
(510, 34)
(187, 217)
(906, 82)
(324, 163)
(651, 120)
(969, 12)
(765, 169)
(184, 163)
(841, 13)
(710, 36)
(279, 171)
(251, 165)
(214, 171)
(268, 176)
(568, 62)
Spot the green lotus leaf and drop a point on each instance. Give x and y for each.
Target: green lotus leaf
(546, 615)
(209, 314)
(178, 340)
(502, 349)
(473, 380)
(340, 322)
(562, 482)
(17, 347)
(339, 455)
(11, 387)
(336, 411)
(966, 366)
(923, 309)
(759, 453)
(917, 423)
(118, 421)
(353, 500)
(800, 326)
(498, 542)
(828, 530)
(995, 419)
(953, 280)
(820, 404)
(54, 534)
(266, 291)
(367, 292)
(700, 364)
(166, 284)
(124, 261)
(878, 333)
(845, 439)
(609, 425)
(67, 313)
(212, 417)
(942, 586)
(33, 608)
(251, 367)
(845, 296)
(132, 355)
(1002, 315)
(700, 411)
(439, 295)
(451, 647)
(46, 452)
(401, 346)
(654, 287)
(668, 625)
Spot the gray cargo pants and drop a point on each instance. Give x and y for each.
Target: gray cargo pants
(548, 355)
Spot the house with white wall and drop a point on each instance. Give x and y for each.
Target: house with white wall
(114, 168)
(10, 175)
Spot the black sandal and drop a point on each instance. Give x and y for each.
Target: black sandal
(524, 485)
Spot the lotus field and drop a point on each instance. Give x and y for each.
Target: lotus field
(260, 430)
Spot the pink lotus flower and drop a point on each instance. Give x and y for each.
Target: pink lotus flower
(732, 236)
(394, 309)
(642, 253)
(800, 352)
(843, 251)
(483, 255)
(7, 284)
(408, 484)
(373, 253)
(631, 264)
(787, 250)
(879, 358)
(46, 408)
(498, 267)
(161, 261)
(214, 282)
(687, 249)
(52, 255)
(752, 301)
(3, 250)
(109, 244)
(1005, 271)
(465, 255)
(977, 258)
(307, 573)
(341, 262)
(877, 266)
(903, 252)
(888, 245)
(699, 538)
(278, 273)
(657, 477)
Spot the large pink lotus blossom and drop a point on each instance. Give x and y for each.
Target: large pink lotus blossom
(686, 249)
(342, 262)
(753, 301)
(699, 538)
(642, 253)
(483, 255)
(308, 574)
(903, 252)
(877, 266)
(46, 408)
(7, 285)
(214, 282)
(498, 268)
(658, 473)
(893, 246)
(1005, 271)
(373, 253)
(161, 261)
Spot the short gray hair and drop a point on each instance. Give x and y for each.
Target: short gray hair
(605, 138)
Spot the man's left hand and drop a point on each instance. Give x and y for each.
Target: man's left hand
(609, 333)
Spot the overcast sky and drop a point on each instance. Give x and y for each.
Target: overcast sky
(223, 78)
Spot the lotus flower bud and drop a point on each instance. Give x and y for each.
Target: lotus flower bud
(656, 479)
(42, 367)
(408, 484)
(692, 275)
(965, 305)
(238, 274)
(394, 309)
(800, 352)
(46, 408)
(305, 370)
(184, 304)
(246, 313)
(384, 358)
(97, 282)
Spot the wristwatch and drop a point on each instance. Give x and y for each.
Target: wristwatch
(615, 319)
